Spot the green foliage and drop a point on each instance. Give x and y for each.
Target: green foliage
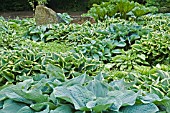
(40, 2)
(65, 17)
(12, 31)
(118, 8)
(150, 50)
(19, 64)
(83, 93)
(91, 2)
(114, 66)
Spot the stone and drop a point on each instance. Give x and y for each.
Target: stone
(45, 15)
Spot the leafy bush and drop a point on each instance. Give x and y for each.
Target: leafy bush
(163, 5)
(118, 8)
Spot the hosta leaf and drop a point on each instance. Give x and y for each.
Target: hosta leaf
(102, 104)
(156, 91)
(166, 103)
(76, 94)
(77, 80)
(11, 107)
(142, 56)
(62, 109)
(34, 95)
(99, 77)
(127, 97)
(144, 108)
(35, 38)
(98, 88)
(40, 106)
(18, 98)
(46, 110)
(25, 109)
(54, 71)
(1, 104)
(96, 56)
(8, 75)
(149, 98)
(120, 44)
(117, 51)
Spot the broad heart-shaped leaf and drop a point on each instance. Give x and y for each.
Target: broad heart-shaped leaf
(77, 80)
(149, 98)
(34, 95)
(101, 104)
(120, 84)
(54, 71)
(11, 107)
(144, 108)
(127, 97)
(5, 91)
(25, 109)
(62, 109)
(40, 106)
(98, 88)
(18, 98)
(78, 95)
(99, 77)
(46, 110)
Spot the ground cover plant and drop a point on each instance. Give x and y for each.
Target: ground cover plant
(113, 66)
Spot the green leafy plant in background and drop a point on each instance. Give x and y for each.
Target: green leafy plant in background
(162, 5)
(65, 17)
(118, 8)
(91, 2)
(39, 2)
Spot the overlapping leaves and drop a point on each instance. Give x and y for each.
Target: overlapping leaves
(41, 94)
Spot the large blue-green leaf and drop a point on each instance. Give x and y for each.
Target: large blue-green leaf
(18, 98)
(149, 98)
(101, 104)
(40, 106)
(77, 95)
(77, 80)
(34, 95)
(127, 97)
(54, 71)
(98, 88)
(10, 106)
(62, 109)
(25, 109)
(144, 108)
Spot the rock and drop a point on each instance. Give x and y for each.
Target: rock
(45, 15)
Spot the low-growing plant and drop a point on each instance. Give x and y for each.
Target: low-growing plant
(80, 94)
(20, 63)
